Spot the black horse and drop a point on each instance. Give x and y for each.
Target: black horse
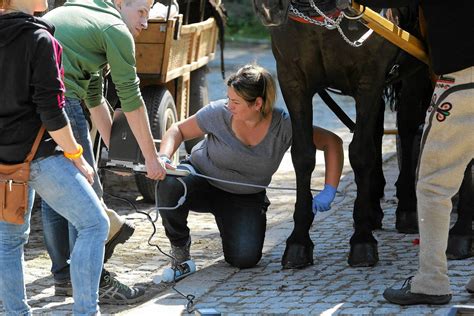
(310, 59)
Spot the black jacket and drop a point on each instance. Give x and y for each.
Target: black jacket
(450, 27)
(31, 87)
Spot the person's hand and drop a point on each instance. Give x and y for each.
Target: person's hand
(322, 201)
(155, 169)
(84, 168)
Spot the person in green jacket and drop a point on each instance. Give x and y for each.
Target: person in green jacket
(96, 34)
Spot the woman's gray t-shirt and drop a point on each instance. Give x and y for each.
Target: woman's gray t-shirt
(222, 155)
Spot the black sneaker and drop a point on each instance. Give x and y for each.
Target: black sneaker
(403, 296)
(62, 287)
(112, 291)
(124, 233)
(470, 286)
(180, 254)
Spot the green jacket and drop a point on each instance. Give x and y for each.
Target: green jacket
(93, 34)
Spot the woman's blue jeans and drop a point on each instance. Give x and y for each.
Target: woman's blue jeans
(63, 187)
(241, 218)
(59, 236)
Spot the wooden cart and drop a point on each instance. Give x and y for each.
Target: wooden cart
(167, 52)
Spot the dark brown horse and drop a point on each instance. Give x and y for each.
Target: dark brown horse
(312, 58)
(309, 59)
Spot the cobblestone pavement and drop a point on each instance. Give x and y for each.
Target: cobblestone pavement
(328, 287)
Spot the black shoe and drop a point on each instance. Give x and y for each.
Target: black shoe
(403, 296)
(62, 287)
(112, 291)
(124, 233)
(470, 286)
(180, 254)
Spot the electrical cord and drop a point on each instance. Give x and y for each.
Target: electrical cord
(192, 171)
(190, 298)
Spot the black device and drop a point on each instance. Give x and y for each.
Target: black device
(124, 151)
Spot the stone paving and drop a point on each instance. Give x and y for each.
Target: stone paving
(330, 287)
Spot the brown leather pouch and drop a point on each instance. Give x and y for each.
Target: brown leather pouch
(14, 187)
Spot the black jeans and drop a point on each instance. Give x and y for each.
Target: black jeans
(241, 218)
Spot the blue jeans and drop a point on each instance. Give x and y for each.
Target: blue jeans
(241, 218)
(59, 236)
(62, 185)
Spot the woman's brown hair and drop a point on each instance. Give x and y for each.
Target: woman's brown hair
(253, 81)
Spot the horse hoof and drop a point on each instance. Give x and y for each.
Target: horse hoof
(459, 247)
(297, 256)
(407, 223)
(363, 255)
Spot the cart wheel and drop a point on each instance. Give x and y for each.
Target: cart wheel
(198, 98)
(162, 114)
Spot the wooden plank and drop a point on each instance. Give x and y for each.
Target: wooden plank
(149, 58)
(167, 49)
(182, 96)
(155, 33)
(174, 58)
(393, 33)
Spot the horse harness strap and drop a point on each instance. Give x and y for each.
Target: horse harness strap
(318, 18)
(330, 21)
(336, 109)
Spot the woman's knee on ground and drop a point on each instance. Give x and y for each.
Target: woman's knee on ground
(244, 259)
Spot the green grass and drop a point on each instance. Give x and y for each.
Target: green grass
(246, 30)
(242, 22)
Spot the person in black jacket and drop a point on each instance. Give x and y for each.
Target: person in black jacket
(447, 144)
(32, 95)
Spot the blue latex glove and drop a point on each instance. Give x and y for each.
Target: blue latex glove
(322, 201)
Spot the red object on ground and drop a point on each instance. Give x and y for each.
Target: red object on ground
(416, 241)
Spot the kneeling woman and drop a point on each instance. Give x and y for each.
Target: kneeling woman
(246, 138)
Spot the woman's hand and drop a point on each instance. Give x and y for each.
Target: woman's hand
(322, 201)
(84, 168)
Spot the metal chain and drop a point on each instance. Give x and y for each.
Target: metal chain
(328, 23)
(301, 15)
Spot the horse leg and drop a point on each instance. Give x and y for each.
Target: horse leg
(415, 97)
(299, 247)
(378, 182)
(406, 218)
(460, 235)
(297, 69)
(362, 155)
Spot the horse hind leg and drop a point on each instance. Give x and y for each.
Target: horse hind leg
(378, 182)
(460, 235)
(415, 96)
(406, 221)
(363, 158)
